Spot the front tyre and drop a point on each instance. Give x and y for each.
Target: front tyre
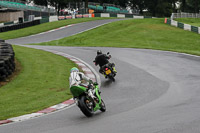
(103, 106)
(86, 106)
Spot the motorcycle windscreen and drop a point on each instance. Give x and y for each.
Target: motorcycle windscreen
(77, 90)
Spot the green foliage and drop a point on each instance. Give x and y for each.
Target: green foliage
(192, 6)
(161, 8)
(41, 2)
(138, 5)
(157, 8)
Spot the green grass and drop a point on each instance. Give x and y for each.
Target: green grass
(43, 27)
(190, 21)
(42, 82)
(136, 33)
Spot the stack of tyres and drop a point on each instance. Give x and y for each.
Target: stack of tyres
(19, 25)
(7, 61)
(1, 40)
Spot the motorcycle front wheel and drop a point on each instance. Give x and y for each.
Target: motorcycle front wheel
(103, 106)
(86, 106)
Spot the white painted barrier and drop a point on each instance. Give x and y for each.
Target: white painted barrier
(16, 21)
(36, 18)
(174, 23)
(187, 27)
(86, 15)
(53, 18)
(1, 24)
(138, 17)
(199, 29)
(121, 15)
(105, 15)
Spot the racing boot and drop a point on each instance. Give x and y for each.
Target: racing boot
(103, 74)
(114, 70)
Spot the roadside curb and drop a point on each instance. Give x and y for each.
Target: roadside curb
(86, 69)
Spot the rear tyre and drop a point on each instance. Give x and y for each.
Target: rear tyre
(112, 78)
(86, 106)
(103, 106)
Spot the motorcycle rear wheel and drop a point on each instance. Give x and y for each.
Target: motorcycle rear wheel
(112, 78)
(86, 106)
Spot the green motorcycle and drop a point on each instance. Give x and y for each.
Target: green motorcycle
(88, 100)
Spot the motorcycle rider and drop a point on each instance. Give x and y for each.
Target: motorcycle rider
(78, 79)
(101, 60)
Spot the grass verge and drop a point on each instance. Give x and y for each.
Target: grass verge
(190, 21)
(136, 33)
(42, 82)
(43, 27)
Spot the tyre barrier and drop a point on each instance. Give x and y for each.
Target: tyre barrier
(7, 60)
(1, 41)
(19, 26)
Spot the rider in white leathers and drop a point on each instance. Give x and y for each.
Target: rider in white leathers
(78, 78)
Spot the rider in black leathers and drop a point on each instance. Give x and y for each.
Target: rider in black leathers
(101, 60)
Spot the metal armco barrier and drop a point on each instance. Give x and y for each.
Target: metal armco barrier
(75, 16)
(194, 29)
(7, 60)
(19, 26)
(182, 25)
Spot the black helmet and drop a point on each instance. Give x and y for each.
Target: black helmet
(99, 52)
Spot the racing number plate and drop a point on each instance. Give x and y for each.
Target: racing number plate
(108, 72)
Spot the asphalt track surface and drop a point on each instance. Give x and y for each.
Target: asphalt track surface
(61, 33)
(154, 92)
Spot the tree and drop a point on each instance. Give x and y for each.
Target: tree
(190, 6)
(193, 6)
(174, 5)
(183, 5)
(41, 2)
(122, 3)
(138, 5)
(86, 5)
(159, 8)
(58, 4)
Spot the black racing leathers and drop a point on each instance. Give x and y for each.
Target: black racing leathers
(101, 60)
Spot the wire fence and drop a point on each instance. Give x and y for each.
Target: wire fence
(185, 15)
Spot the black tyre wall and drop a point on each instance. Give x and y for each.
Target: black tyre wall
(7, 60)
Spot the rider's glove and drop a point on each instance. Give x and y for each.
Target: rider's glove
(90, 81)
(95, 83)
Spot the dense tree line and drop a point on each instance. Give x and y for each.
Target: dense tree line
(158, 8)
(162, 8)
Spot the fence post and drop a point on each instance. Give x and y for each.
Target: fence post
(172, 16)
